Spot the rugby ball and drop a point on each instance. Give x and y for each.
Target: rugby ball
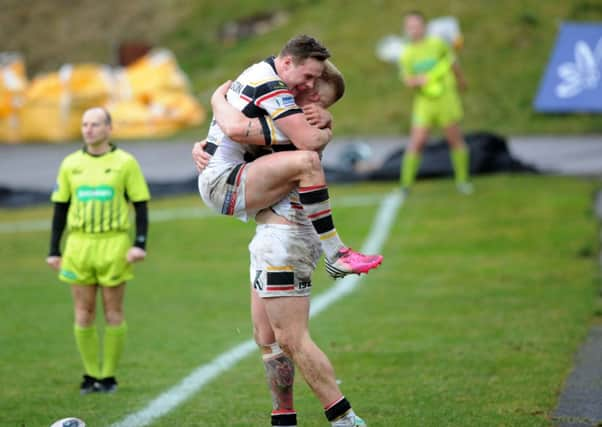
(69, 422)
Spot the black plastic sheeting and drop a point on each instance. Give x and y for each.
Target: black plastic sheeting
(10, 198)
(488, 154)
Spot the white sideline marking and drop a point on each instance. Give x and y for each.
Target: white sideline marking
(162, 215)
(202, 375)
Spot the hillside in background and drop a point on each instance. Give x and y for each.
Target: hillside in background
(507, 45)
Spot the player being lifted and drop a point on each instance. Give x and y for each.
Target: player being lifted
(267, 91)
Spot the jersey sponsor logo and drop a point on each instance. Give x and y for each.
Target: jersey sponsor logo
(286, 101)
(424, 65)
(276, 84)
(304, 284)
(236, 87)
(69, 274)
(76, 171)
(228, 202)
(102, 193)
(257, 282)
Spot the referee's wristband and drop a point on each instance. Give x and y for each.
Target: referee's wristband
(140, 242)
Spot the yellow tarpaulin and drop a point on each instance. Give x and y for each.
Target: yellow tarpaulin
(13, 83)
(150, 98)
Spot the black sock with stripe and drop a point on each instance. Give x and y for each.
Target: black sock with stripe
(337, 409)
(284, 418)
(316, 203)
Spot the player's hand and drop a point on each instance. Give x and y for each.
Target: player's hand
(415, 81)
(199, 156)
(317, 116)
(135, 254)
(54, 262)
(420, 80)
(220, 92)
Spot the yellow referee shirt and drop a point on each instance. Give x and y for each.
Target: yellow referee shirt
(98, 189)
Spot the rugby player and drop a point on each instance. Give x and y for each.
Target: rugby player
(91, 197)
(234, 187)
(284, 253)
(428, 65)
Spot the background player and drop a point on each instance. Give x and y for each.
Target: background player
(236, 188)
(428, 65)
(91, 197)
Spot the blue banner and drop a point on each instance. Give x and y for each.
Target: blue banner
(573, 79)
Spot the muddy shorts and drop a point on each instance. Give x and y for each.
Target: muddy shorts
(223, 190)
(283, 258)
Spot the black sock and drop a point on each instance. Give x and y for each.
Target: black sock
(287, 419)
(338, 409)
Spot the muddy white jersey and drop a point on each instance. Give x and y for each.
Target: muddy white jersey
(258, 93)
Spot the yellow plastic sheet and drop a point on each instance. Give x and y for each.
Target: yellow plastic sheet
(150, 98)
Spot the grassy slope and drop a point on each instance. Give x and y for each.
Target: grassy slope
(472, 319)
(507, 47)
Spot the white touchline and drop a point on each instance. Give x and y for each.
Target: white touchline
(193, 383)
(162, 215)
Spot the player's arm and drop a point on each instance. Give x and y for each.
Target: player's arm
(200, 157)
(302, 134)
(439, 70)
(405, 73)
(443, 65)
(277, 100)
(317, 116)
(141, 210)
(138, 250)
(59, 221)
(459, 76)
(61, 197)
(137, 191)
(235, 124)
(256, 131)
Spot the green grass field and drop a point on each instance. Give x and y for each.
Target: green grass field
(472, 320)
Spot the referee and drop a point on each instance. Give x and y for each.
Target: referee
(93, 189)
(429, 67)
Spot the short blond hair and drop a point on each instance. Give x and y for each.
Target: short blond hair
(333, 77)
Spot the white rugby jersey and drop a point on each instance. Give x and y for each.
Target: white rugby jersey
(258, 93)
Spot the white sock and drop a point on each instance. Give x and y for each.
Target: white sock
(348, 420)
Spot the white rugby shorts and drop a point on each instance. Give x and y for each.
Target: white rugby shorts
(290, 207)
(223, 189)
(283, 258)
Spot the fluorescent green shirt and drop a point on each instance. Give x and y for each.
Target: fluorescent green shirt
(432, 57)
(98, 189)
